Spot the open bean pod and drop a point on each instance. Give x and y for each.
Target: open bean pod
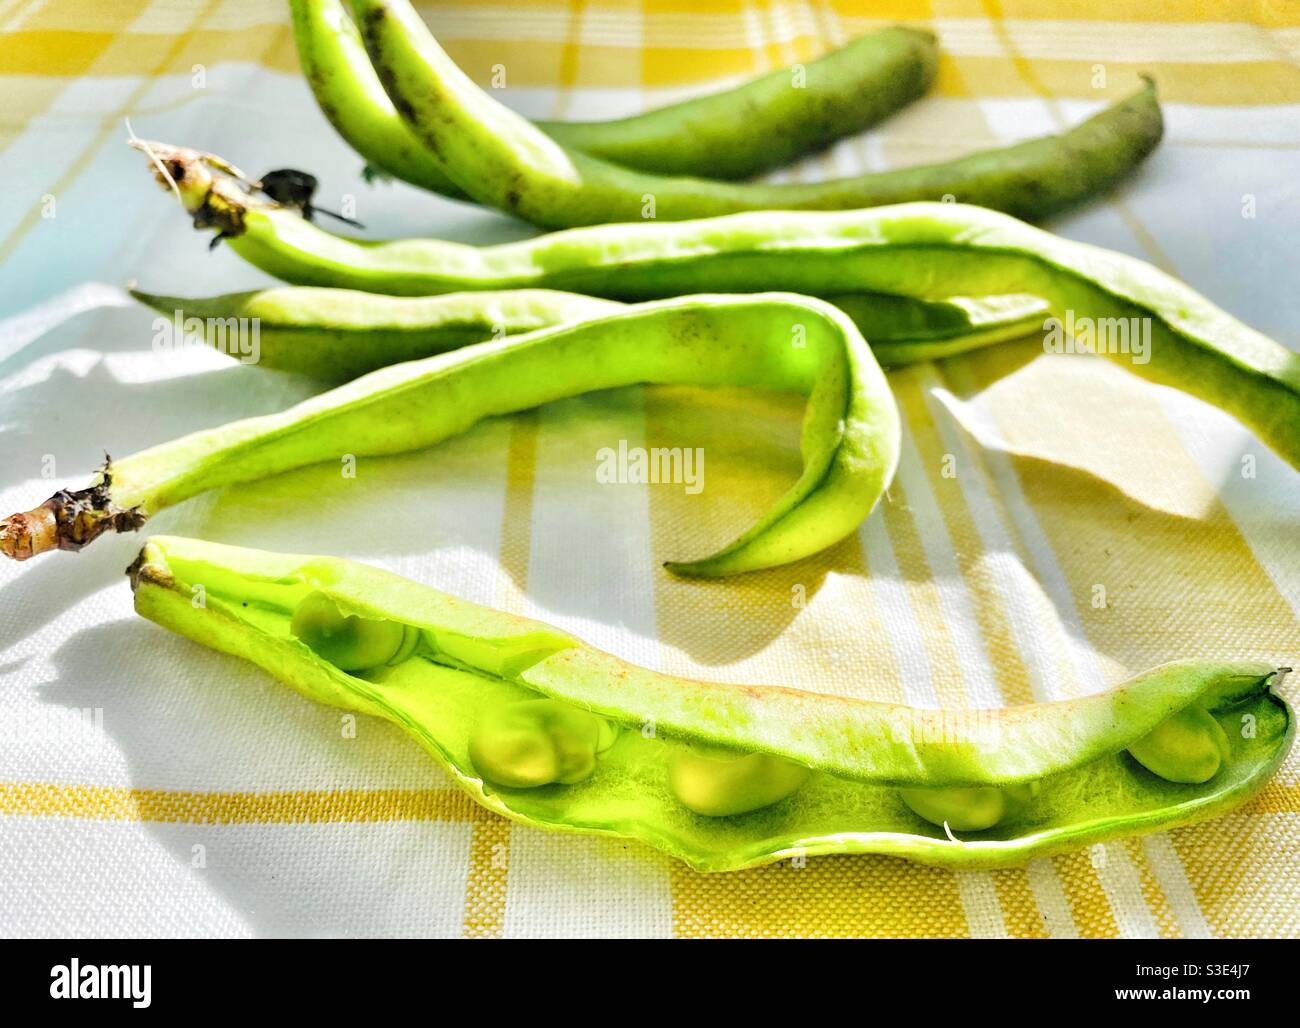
(539, 727)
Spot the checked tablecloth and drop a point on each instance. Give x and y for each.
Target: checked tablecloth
(1056, 524)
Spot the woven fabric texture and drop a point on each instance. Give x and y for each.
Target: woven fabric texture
(1055, 526)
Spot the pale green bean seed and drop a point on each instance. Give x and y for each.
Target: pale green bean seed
(349, 642)
(1188, 747)
(723, 786)
(538, 742)
(969, 809)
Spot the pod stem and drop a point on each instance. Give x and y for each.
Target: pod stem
(214, 192)
(68, 520)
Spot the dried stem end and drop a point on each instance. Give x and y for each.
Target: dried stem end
(66, 521)
(215, 193)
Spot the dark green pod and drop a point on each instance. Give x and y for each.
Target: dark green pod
(504, 161)
(733, 134)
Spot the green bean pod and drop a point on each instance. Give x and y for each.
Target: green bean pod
(925, 251)
(850, 439)
(500, 159)
(794, 773)
(733, 134)
(338, 334)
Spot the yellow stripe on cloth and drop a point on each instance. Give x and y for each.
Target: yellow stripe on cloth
(832, 897)
(1019, 906)
(1168, 11)
(517, 516)
(488, 880)
(1245, 871)
(298, 806)
(688, 43)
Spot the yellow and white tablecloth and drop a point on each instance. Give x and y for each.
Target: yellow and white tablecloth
(1094, 526)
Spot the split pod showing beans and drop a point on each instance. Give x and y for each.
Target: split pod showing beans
(500, 159)
(544, 729)
(733, 134)
(929, 252)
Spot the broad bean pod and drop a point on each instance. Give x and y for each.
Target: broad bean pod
(925, 251)
(850, 435)
(732, 134)
(548, 731)
(500, 159)
(337, 334)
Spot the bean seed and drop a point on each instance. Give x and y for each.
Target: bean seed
(725, 786)
(972, 809)
(350, 643)
(1189, 746)
(532, 743)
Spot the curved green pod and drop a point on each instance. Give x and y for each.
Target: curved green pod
(926, 251)
(502, 160)
(850, 435)
(338, 334)
(733, 134)
(830, 771)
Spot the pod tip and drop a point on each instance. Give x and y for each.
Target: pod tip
(148, 568)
